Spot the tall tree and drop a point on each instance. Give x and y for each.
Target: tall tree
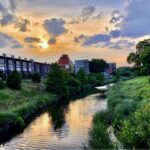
(57, 82)
(97, 65)
(141, 58)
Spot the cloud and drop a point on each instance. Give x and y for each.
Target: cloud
(92, 40)
(87, 12)
(81, 38)
(99, 38)
(115, 33)
(116, 17)
(7, 11)
(22, 24)
(8, 41)
(136, 23)
(121, 44)
(32, 40)
(98, 16)
(52, 41)
(55, 26)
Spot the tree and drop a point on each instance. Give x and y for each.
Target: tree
(36, 78)
(57, 83)
(98, 65)
(2, 84)
(141, 58)
(2, 75)
(81, 76)
(14, 80)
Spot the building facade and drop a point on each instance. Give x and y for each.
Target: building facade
(65, 63)
(23, 66)
(112, 68)
(82, 64)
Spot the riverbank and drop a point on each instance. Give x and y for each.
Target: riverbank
(129, 107)
(17, 107)
(128, 114)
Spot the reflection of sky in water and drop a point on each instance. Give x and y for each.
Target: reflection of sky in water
(59, 129)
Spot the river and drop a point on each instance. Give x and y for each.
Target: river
(65, 127)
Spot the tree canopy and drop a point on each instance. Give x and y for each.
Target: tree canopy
(97, 65)
(141, 58)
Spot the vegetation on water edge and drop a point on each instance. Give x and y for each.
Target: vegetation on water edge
(16, 106)
(99, 136)
(129, 107)
(20, 99)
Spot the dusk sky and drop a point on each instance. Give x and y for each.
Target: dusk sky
(45, 29)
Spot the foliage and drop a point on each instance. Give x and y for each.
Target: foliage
(17, 106)
(98, 65)
(129, 107)
(141, 57)
(2, 76)
(36, 78)
(56, 82)
(99, 138)
(81, 76)
(2, 84)
(14, 80)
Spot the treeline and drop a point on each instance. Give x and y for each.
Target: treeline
(140, 59)
(14, 80)
(67, 85)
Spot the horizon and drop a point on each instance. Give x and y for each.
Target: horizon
(96, 29)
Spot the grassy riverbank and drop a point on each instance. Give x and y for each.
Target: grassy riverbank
(128, 113)
(129, 107)
(16, 106)
(99, 137)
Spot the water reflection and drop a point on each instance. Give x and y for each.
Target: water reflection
(65, 127)
(58, 120)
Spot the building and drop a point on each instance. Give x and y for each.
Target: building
(111, 68)
(65, 62)
(24, 66)
(84, 64)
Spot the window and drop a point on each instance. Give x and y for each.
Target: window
(10, 65)
(24, 66)
(18, 66)
(30, 67)
(2, 64)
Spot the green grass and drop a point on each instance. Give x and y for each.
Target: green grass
(17, 105)
(99, 136)
(128, 104)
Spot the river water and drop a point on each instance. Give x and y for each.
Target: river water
(65, 128)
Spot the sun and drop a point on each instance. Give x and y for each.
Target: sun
(44, 44)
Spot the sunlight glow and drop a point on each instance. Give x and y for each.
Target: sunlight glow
(44, 44)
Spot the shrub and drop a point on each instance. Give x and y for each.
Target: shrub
(2, 75)
(57, 82)
(99, 136)
(2, 84)
(36, 78)
(14, 80)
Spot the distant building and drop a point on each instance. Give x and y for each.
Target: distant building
(24, 66)
(84, 64)
(65, 62)
(111, 68)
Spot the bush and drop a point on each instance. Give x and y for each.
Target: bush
(36, 78)
(99, 136)
(2, 75)
(57, 82)
(2, 84)
(14, 80)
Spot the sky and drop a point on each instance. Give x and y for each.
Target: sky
(84, 29)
